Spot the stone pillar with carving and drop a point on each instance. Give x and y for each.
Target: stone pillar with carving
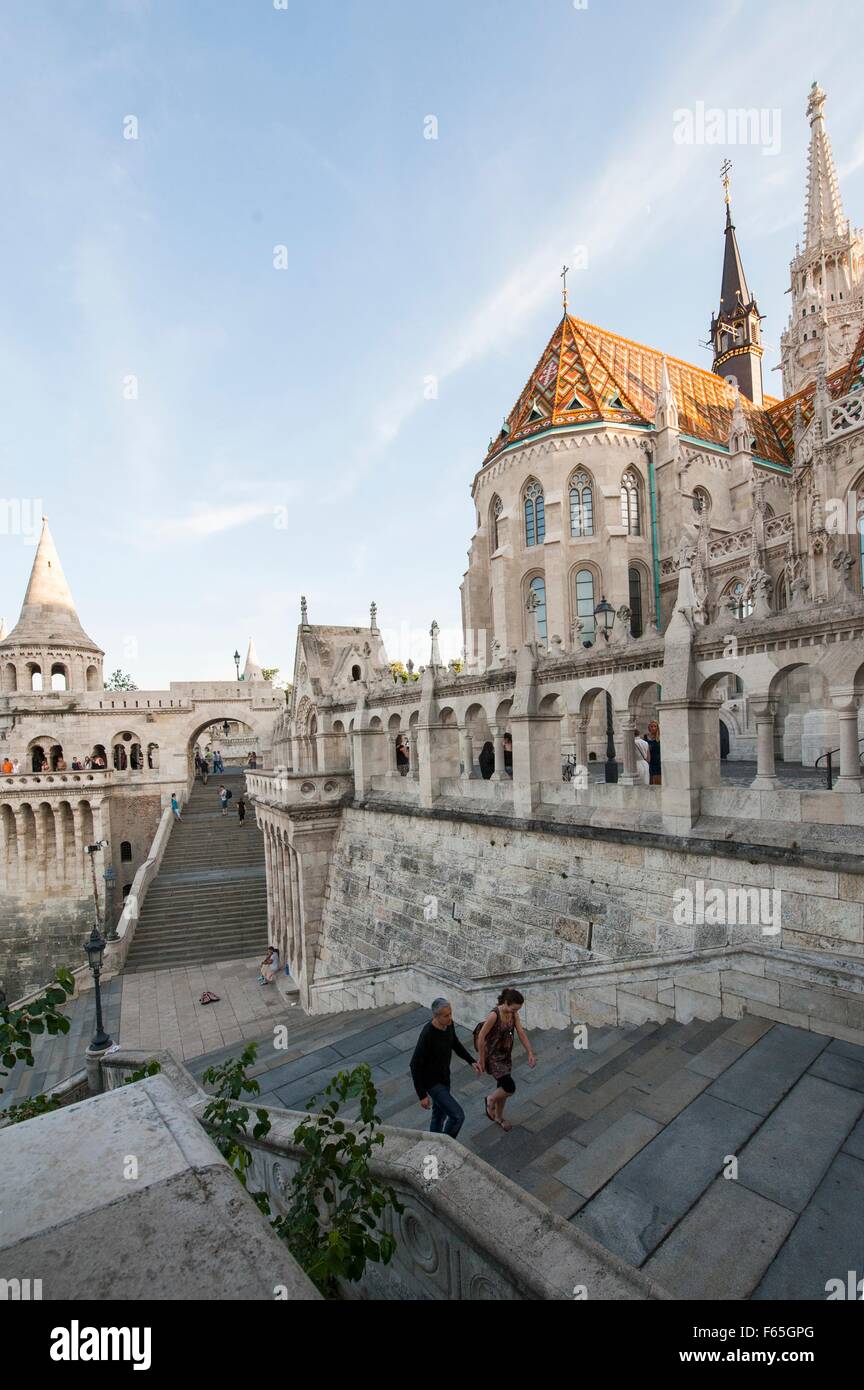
(466, 755)
(536, 738)
(629, 776)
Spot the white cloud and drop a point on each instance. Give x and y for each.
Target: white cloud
(210, 521)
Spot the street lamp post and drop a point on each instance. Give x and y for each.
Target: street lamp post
(110, 877)
(94, 948)
(605, 616)
(237, 663)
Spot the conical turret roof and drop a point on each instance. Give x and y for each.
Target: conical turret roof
(48, 613)
(252, 671)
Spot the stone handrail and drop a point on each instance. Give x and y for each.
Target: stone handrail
(467, 1232)
(117, 951)
(59, 781)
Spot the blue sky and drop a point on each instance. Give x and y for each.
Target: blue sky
(282, 441)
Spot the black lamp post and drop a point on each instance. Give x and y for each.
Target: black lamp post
(94, 948)
(604, 613)
(237, 663)
(110, 877)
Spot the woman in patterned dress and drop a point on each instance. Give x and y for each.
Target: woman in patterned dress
(494, 1043)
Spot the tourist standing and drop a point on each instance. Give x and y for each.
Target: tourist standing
(402, 758)
(241, 810)
(643, 754)
(430, 1069)
(175, 806)
(508, 754)
(653, 741)
(253, 760)
(224, 798)
(486, 760)
(493, 1039)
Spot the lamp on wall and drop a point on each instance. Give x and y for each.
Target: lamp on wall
(237, 663)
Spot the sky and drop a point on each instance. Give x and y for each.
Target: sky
(274, 271)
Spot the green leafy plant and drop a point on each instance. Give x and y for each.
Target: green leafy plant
(151, 1068)
(28, 1109)
(332, 1226)
(227, 1121)
(119, 680)
(40, 1015)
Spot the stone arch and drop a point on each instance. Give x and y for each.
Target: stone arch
(87, 825)
(258, 723)
(92, 678)
(34, 677)
(805, 722)
(639, 597)
(60, 678)
(153, 756)
(496, 508)
(125, 751)
(44, 747)
(534, 582)
(46, 844)
(533, 512)
(10, 678)
(98, 757)
(8, 844)
(548, 749)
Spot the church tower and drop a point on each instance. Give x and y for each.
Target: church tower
(827, 274)
(736, 327)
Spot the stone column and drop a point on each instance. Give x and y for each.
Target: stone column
(849, 780)
(581, 741)
(269, 869)
(499, 775)
(763, 713)
(690, 750)
(466, 755)
(629, 776)
(536, 758)
(20, 846)
(80, 875)
(413, 771)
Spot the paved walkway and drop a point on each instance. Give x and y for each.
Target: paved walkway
(155, 1009)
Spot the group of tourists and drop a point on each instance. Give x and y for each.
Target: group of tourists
(648, 755)
(486, 760)
(493, 1039)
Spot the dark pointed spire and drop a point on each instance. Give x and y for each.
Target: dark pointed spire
(735, 328)
(733, 288)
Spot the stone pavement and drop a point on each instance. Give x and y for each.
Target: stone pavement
(630, 1137)
(155, 1009)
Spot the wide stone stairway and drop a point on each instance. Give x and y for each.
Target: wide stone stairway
(631, 1138)
(209, 901)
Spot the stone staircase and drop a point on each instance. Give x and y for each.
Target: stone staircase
(209, 900)
(630, 1137)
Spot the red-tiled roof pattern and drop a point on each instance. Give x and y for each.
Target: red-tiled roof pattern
(598, 367)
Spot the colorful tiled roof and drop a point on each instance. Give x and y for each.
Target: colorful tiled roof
(588, 374)
(782, 413)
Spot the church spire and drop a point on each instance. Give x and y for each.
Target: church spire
(824, 213)
(252, 671)
(735, 328)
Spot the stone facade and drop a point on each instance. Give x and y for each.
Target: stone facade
(54, 709)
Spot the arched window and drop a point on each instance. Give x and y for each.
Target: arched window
(581, 505)
(495, 511)
(35, 674)
(585, 607)
(535, 516)
(92, 678)
(10, 678)
(538, 587)
(125, 851)
(743, 602)
(59, 677)
(630, 516)
(636, 621)
(701, 501)
(355, 673)
(769, 512)
(781, 596)
(153, 755)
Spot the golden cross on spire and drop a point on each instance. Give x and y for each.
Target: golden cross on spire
(564, 291)
(724, 177)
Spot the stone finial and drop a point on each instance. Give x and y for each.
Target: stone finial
(373, 614)
(304, 612)
(435, 655)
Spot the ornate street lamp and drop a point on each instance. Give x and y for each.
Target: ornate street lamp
(94, 948)
(604, 614)
(237, 663)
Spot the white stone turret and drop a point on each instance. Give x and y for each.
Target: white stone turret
(252, 671)
(48, 647)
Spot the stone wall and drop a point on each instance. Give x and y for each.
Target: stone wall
(38, 936)
(135, 818)
(449, 892)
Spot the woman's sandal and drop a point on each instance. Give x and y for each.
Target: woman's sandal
(486, 1108)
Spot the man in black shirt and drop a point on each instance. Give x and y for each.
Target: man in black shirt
(430, 1069)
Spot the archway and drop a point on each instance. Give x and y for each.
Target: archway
(235, 751)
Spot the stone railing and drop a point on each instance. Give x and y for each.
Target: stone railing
(94, 778)
(68, 1092)
(846, 414)
(117, 951)
(466, 1233)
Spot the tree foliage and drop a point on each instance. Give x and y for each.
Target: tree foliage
(119, 680)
